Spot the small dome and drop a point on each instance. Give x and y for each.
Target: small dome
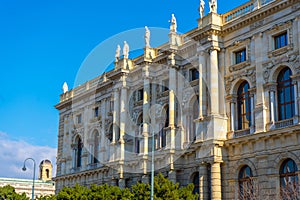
(46, 162)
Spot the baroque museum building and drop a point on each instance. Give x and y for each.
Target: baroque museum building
(217, 106)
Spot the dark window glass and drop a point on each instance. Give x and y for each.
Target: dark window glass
(285, 95)
(96, 148)
(96, 112)
(280, 40)
(246, 185)
(240, 56)
(244, 106)
(194, 74)
(140, 95)
(196, 182)
(79, 152)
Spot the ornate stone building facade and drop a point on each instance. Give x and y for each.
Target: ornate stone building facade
(221, 100)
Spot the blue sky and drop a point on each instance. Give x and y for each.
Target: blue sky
(44, 43)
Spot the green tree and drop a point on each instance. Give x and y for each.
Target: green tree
(47, 197)
(8, 193)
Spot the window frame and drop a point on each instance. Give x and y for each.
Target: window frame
(243, 97)
(242, 58)
(283, 88)
(278, 44)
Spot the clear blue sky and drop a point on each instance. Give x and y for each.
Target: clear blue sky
(43, 44)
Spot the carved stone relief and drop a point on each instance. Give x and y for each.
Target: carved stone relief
(249, 73)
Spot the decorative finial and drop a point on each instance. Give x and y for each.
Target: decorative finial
(173, 26)
(65, 87)
(126, 50)
(213, 6)
(147, 37)
(118, 50)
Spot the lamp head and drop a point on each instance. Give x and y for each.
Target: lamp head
(24, 168)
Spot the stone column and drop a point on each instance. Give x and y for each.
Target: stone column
(116, 114)
(260, 107)
(203, 184)
(232, 116)
(252, 113)
(123, 117)
(214, 81)
(272, 106)
(216, 181)
(202, 84)
(296, 97)
(146, 107)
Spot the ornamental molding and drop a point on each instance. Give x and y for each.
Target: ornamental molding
(248, 74)
(291, 60)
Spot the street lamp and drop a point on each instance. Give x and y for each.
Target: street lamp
(24, 169)
(152, 161)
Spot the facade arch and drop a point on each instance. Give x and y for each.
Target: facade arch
(274, 72)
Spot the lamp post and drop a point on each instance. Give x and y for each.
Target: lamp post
(152, 168)
(24, 169)
(152, 162)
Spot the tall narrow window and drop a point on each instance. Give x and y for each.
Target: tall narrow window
(280, 40)
(96, 112)
(78, 152)
(96, 147)
(196, 182)
(110, 133)
(240, 56)
(246, 185)
(244, 106)
(166, 124)
(138, 133)
(285, 95)
(289, 183)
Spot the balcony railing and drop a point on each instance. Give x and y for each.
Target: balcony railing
(239, 11)
(284, 123)
(240, 133)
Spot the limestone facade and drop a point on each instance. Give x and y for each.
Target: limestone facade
(219, 99)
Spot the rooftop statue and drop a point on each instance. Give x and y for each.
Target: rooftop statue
(173, 26)
(201, 8)
(213, 6)
(147, 37)
(118, 50)
(126, 50)
(65, 87)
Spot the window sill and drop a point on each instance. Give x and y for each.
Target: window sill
(239, 66)
(280, 51)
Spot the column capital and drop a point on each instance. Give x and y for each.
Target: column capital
(214, 48)
(272, 86)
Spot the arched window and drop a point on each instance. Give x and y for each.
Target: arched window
(95, 147)
(285, 95)
(246, 186)
(289, 184)
(78, 152)
(196, 182)
(244, 106)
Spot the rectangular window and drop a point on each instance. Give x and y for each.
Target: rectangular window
(140, 95)
(280, 40)
(96, 112)
(240, 56)
(78, 119)
(194, 74)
